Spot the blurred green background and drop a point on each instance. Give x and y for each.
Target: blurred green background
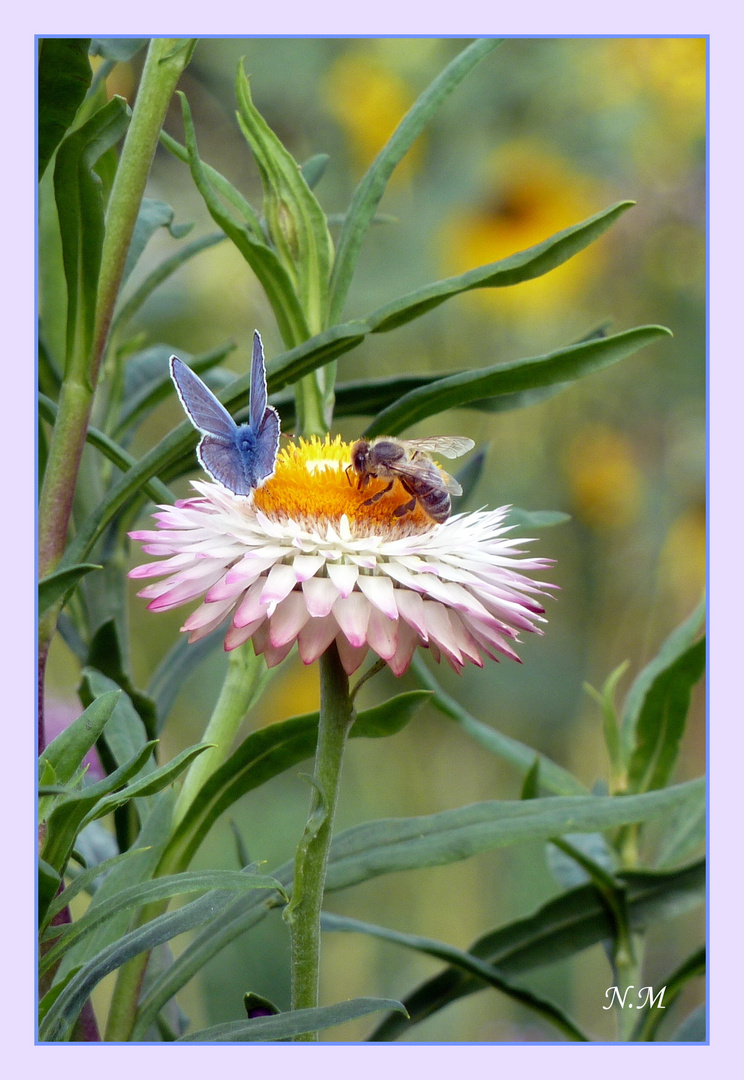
(544, 133)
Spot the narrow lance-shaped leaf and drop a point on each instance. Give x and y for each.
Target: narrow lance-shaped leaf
(297, 1022)
(147, 380)
(147, 892)
(153, 215)
(129, 308)
(78, 193)
(105, 655)
(116, 454)
(164, 928)
(523, 266)
(515, 375)
(674, 983)
(561, 928)
(677, 643)
(64, 78)
(275, 279)
(371, 188)
(662, 720)
(66, 819)
(61, 583)
(490, 974)
(65, 753)
(294, 218)
(268, 752)
(382, 847)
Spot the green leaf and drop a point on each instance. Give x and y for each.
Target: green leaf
(524, 266)
(684, 835)
(388, 718)
(228, 923)
(581, 857)
(164, 928)
(49, 883)
(675, 645)
(68, 816)
(371, 188)
(389, 845)
(662, 719)
(140, 866)
(561, 928)
(553, 778)
(78, 193)
(156, 491)
(147, 380)
(129, 308)
(136, 896)
(488, 973)
(267, 753)
(58, 585)
(105, 657)
(611, 730)
(297, 1022)
(314, 168)
(125, 733)
(222, 186)
(84, 880)
(65, 753)
(649, 1022)
(516, 375)
(148, 785)
(266, 265)
(153, 215)
(64, 78)
(294, 219)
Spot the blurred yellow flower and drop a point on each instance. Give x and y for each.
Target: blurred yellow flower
(530, 195)
(663, 82)
(368, 100)
(683, 559)
(603, 477)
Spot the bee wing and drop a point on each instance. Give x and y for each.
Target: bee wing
(424, 470)
(450, 446)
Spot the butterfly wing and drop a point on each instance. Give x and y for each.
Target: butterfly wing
(267, 444)
(451, 446)
(202, 407)
(259, 394)
(224, 462)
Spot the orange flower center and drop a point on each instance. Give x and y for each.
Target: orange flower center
(315, 483)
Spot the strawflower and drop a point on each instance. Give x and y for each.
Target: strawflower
(308, 559)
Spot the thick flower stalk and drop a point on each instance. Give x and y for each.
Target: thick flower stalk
(308, 558)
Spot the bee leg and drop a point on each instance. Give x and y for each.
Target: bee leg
(378, 495)
(406, 508)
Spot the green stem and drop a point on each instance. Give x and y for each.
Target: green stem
(246, 677)
(166, 59)
(303, 912)
(165, 63)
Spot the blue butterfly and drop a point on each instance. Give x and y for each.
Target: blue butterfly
(240, 457)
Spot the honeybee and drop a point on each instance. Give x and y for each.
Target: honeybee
(408, 461)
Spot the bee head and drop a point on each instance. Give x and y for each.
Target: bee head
(360, 456)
